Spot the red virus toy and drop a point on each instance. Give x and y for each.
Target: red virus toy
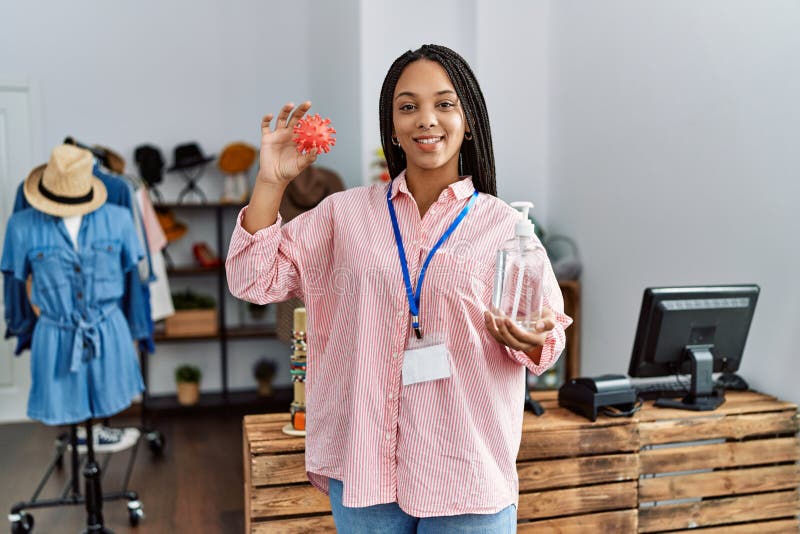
(314, 132)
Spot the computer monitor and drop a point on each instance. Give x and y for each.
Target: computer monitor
(693, 330)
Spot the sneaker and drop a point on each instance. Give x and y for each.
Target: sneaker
(106, 439)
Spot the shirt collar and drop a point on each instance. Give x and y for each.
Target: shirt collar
(460, 190)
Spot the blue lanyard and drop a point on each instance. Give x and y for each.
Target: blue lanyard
(413, 300)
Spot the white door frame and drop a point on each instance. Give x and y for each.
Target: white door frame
(15, 371)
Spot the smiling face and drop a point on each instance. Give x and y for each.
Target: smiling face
(428, 119)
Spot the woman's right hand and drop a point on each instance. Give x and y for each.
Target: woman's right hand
(280, 162)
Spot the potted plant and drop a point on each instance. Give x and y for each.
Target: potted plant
(187, 377)
(264, 372)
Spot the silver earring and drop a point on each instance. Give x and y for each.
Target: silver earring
(468, 136)
(395, 141)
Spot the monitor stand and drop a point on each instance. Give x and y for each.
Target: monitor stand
(703, 396)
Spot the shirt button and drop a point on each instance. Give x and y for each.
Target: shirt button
(79, 295)
(396, 355)
(77, 269)
(388, 436)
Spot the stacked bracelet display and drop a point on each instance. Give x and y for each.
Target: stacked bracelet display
(297, 366)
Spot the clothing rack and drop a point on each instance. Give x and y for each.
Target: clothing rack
(93, 496)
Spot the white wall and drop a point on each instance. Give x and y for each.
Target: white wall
(674, 160)
(512, 68)
(131, 72)
(388, 30)
(333, 51)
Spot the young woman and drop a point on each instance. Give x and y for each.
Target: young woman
(414, 393)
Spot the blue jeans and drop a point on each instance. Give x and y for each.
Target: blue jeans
(390, 519)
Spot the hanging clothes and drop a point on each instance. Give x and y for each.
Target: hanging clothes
(161, 305)
(83, 363)
(20, 318)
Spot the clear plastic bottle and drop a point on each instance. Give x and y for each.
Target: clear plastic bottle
(519, 269)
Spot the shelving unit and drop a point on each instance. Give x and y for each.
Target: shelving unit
(225, 398)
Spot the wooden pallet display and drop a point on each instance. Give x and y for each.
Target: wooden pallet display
(734, 469)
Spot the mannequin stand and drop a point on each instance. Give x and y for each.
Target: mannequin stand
(93, 498)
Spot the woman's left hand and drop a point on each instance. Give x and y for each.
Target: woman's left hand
(509, 334)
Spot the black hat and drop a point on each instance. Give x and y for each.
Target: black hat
(188, 155)
(150, 162)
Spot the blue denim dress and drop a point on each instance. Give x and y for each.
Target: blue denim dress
(20, 319)
(83, 362)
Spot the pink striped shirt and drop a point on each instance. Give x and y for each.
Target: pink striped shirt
(437, 448)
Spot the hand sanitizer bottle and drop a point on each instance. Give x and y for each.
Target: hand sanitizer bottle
(519, 269)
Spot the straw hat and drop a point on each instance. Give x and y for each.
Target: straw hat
(65, 186)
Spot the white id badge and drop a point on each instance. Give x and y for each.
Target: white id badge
(425, 359)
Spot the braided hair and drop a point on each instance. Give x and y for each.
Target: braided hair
(476, 157)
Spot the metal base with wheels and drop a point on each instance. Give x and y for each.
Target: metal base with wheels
(93, 497)
(21, 523)
(156, 442)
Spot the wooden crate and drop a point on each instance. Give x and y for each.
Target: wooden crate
(192, 323)
(275, 482)
(734, 469)
(574, 476)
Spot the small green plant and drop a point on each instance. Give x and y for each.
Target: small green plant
(188, 300)
(264, 369)
(188, 373)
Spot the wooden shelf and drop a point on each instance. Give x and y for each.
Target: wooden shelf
(196, 205)
(216, 212)
(248, 400)
(267, 330)
(194, 270)
(236, 332)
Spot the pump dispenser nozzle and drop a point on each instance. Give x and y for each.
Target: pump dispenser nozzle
(524, 227)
